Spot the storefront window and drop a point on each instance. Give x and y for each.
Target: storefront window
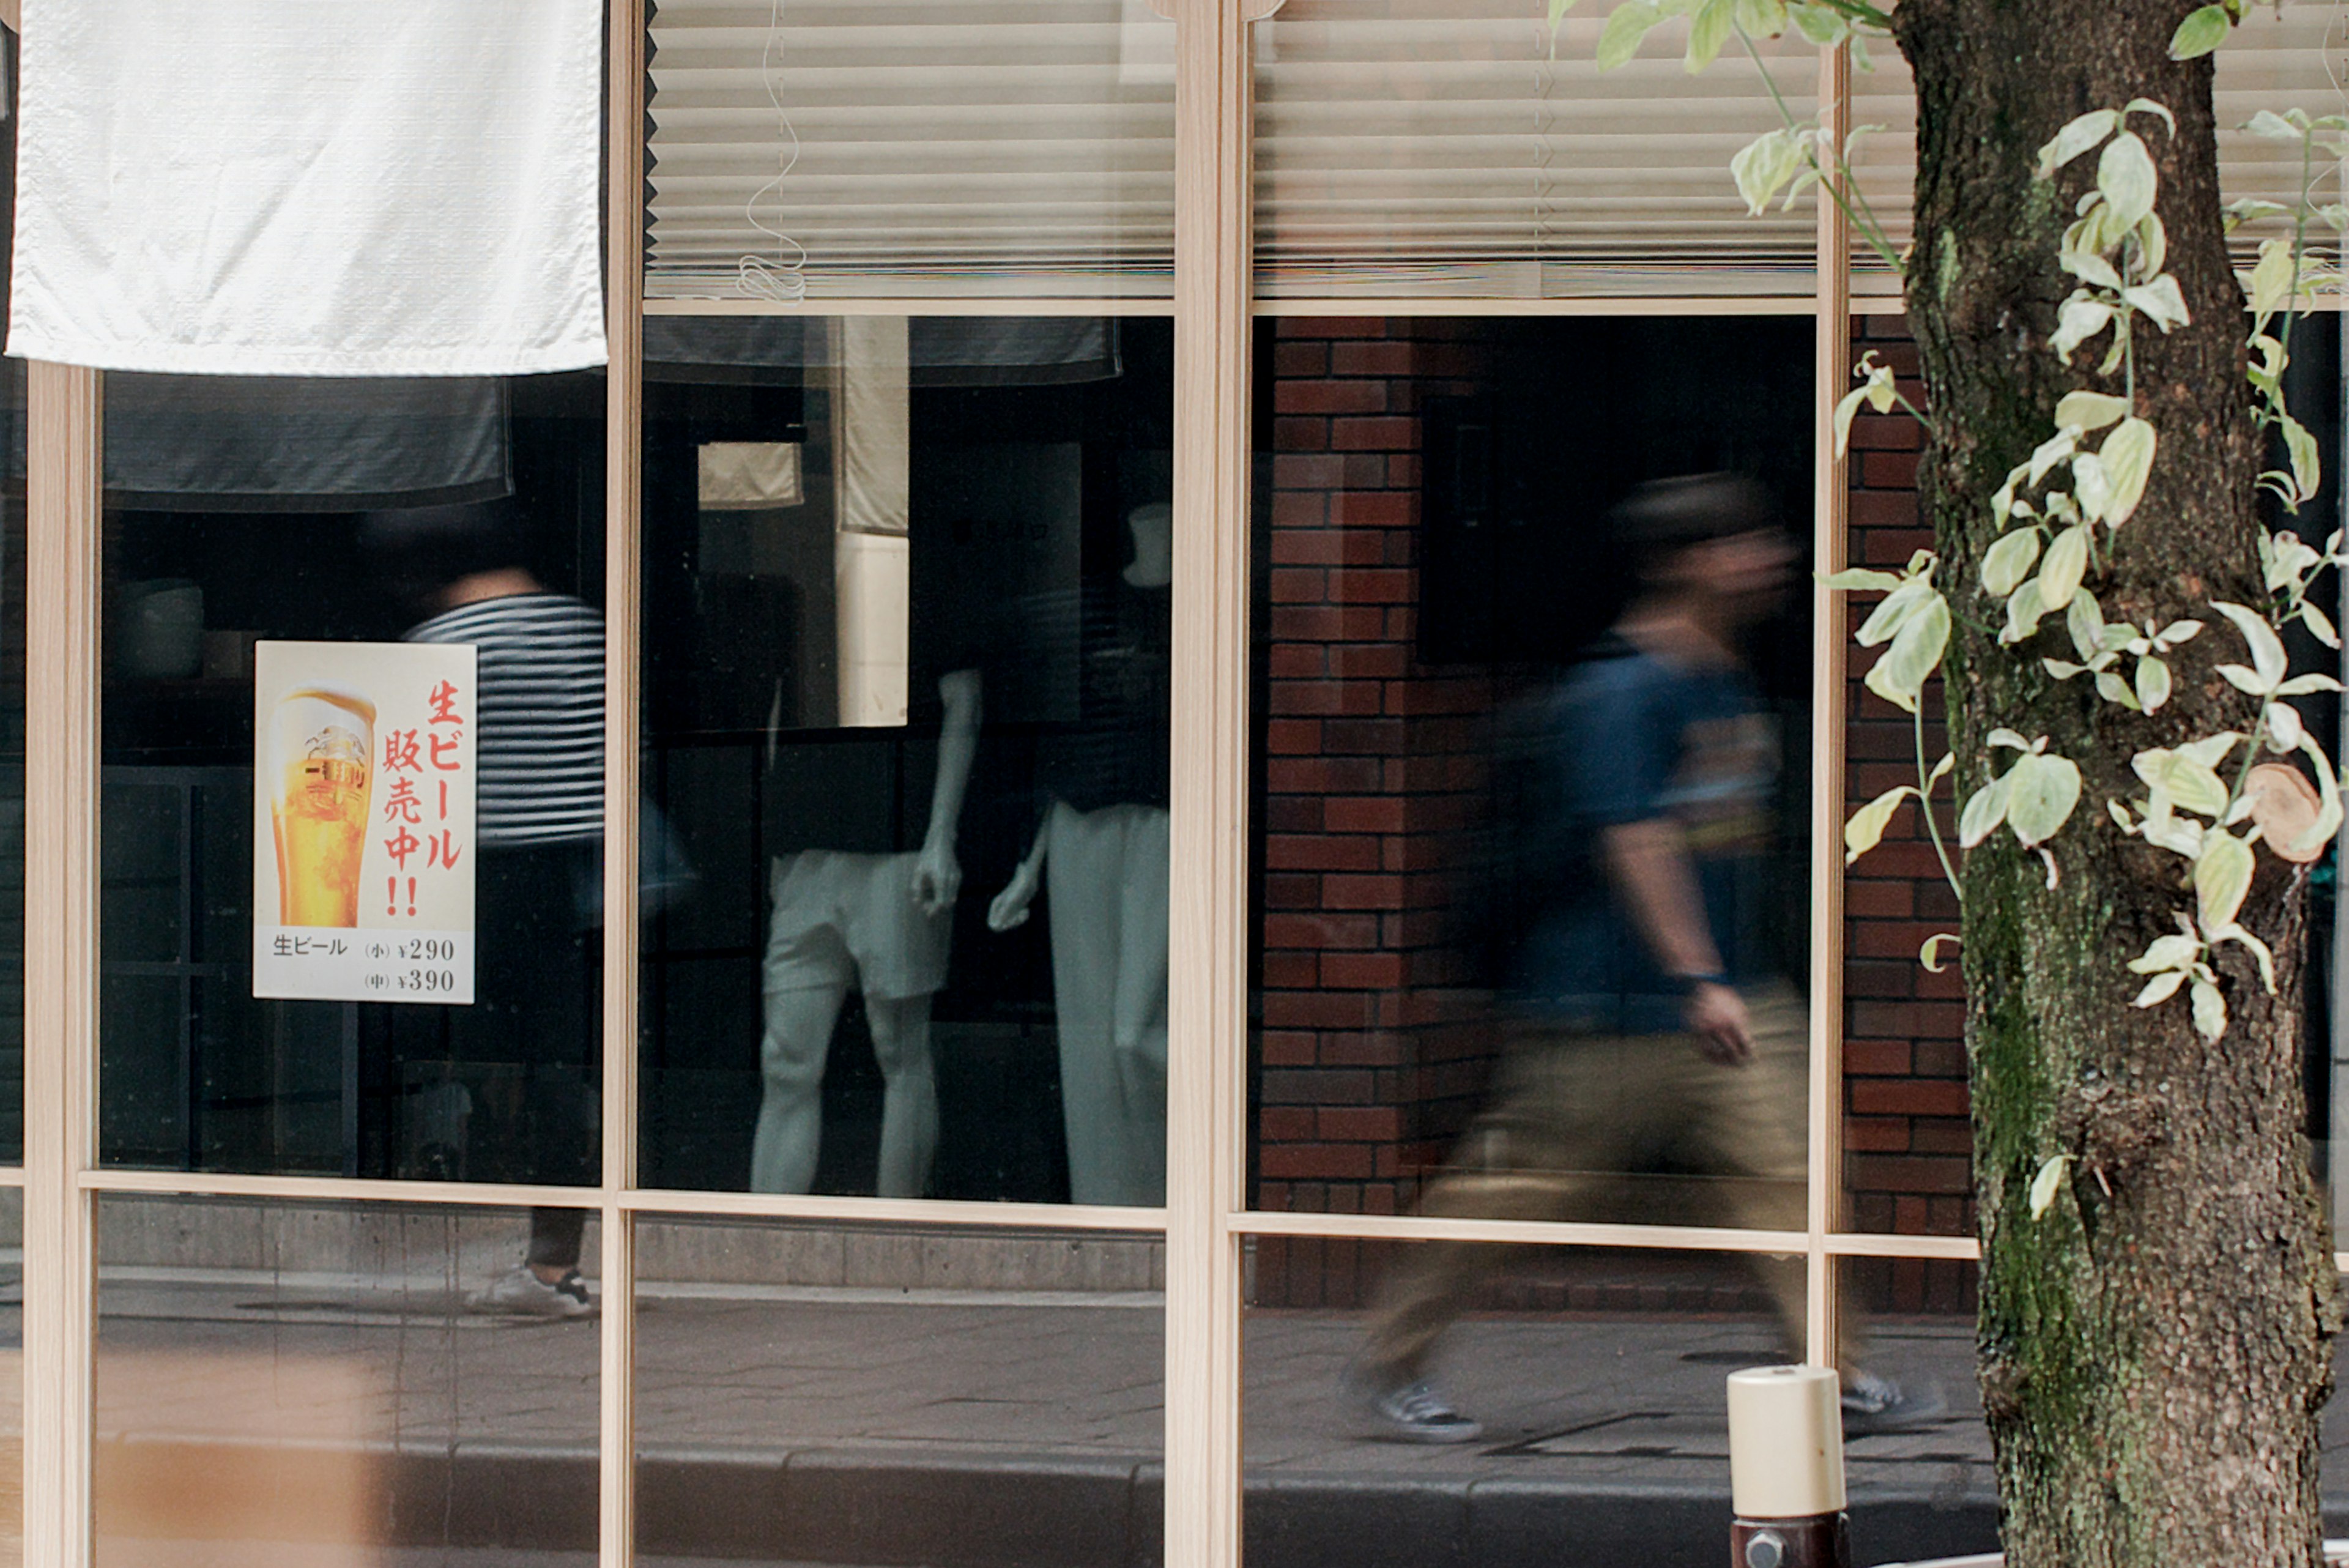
(907, 610)
(351, 889)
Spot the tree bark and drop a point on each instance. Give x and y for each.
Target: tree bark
(2155, 1348)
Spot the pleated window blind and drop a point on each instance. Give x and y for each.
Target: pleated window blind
(826, 148)
(1409, 148)
(2275, 60)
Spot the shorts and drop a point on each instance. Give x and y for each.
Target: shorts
(849, 920)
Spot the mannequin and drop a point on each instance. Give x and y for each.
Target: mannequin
(846, 919)
(1102, 854)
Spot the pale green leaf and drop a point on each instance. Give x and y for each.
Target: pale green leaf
(2055, 449)
(2008, 562)
(2152, 684)
(1820, 26)
(2193, 783)
(2003, 736)
(1899, 676)
(2125, 173)
(1887, 619)
(2256, 948)
(2091, 484)
(2047, 1183)
(2090, 410)
(2161, 300)
(2209, 1010)
(2042, 791)
(2202, 31)
(2067, 563)
(2088, 266)
(1708, 32)
(2076, 137)
(2161, 989)
(1865, 828)
(2079, 320)
(2023, 611)
(2165, 953)
(2084, 620)
(2114, 689)
(2328, 792)
(2273, 126)
(1930, 955)
(1859, 579)
(2126, 457)
(2147, 106)
(1630, 22)
(1764, 164)
(2267, 648)
(2270, 280)
(1761, 18)
(2222, 875)
(2307, 467)
(1983, 811)
(2283, 726)
(2211, 749)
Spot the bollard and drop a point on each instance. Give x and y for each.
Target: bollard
(1785, 1468)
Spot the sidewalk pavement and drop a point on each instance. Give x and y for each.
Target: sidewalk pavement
(960, 1429)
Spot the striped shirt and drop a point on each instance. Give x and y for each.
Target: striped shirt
(540, 744)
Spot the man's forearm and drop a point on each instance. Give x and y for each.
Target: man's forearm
(1648, 864)
(957, 745)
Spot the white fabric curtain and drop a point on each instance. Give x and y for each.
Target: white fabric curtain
(310, 187)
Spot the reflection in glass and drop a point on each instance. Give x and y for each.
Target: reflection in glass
(908, 675)
(928, 148)
(372, 513)
(1531, 827)
(811, 1394)
(303, 1383)
(12, 1376)
(1579, 1399)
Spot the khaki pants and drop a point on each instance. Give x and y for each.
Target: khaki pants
(1571, 1117)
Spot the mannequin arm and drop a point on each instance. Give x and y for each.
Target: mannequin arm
(1010, 906)
(937, 875)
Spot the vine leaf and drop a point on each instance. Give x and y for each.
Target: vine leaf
(2202, 31)
(2044, 1186)
(2222, 875)
(1867, 826)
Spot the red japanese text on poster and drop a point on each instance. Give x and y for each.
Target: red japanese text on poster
(363, 821)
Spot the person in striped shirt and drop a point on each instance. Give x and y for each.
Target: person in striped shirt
(539, 756)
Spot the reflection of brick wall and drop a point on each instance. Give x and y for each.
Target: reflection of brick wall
(1906, 1136)
(1372, 1050)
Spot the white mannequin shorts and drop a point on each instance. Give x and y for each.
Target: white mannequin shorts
(849, 920)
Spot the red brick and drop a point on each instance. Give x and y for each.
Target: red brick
(1334, 699)
(1329, 397)
(1323, 776)
(1370, 360)
(1914, 1173)
(1326, 547)
(1883, 509)
(1296, 660)
(1371, 661)
(1291, 972)
(1321, 932)
(1335, 326)
(1300, 470)
(1371, 814)
(1363, 972)
(1285, 1124)
(1298, 586)
(1321, 852)
(1934, 1135)
(1300, 361)
(1888, 470)
(1864, 1058)
(1374, 509)
(1386, 433)
(1328, 1161)
(1326, 623)
(1876, 1135)
(1292, 737)
(1286, 1048)
(1381, 892)
(1292, 891)
(1300, 435)
(1316, 1087)
(1908, 1098)
(1370, 586)
(1300, 509)
(1378, 1123)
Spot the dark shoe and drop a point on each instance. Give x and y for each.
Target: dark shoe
(1873, 1405)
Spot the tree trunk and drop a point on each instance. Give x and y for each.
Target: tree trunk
(2155, 1347)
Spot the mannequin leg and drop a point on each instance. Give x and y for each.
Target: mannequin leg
(1138, 1026)
(790, 1059)
(1081, 877)
(909, 1094)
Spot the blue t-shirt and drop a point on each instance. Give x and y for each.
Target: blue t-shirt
(1630, 737)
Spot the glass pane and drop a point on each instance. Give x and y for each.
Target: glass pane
(907, 626)
(939, 148)
(1455, 147)
(306, 1383)
(382, 961)
(1513, 711)
(815, 1395)
(1920, 1487)
(1421, 1403)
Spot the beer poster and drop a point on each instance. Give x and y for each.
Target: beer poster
(363, 821)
